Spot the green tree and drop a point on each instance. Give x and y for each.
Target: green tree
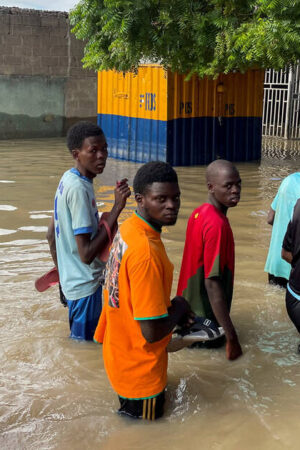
(206, 37)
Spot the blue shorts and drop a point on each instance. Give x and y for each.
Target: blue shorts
(84, 315)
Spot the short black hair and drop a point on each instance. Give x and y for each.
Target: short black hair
(81, 130)
(153, 172)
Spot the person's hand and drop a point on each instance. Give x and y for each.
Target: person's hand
(188, 316)
(188, 320)
(122, 192)
(233, 349)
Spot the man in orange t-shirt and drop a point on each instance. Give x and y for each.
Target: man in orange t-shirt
(138, 316)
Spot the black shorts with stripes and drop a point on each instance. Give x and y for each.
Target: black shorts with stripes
(149, 409)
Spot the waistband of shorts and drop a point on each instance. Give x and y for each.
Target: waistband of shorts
(142, 398)
(296, 296)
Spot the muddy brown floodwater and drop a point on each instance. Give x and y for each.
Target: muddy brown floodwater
(54, 393)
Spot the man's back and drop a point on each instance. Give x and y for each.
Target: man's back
(75, 211)
(208, 252)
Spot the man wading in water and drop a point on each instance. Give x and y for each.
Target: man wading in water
(138, 316)
(74, 236)
(207, 269)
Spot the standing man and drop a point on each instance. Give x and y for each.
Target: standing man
(207, 269)
(138, 316)
(74, 237)
(291, 253)
(280, 214)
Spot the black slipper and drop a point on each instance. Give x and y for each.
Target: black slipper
(203, 329)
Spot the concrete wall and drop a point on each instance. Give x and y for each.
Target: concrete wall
(43, 88)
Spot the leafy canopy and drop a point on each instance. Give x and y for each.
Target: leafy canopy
(206, 37)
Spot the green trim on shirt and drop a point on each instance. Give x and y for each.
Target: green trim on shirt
(153, 228)
(141, 398)
(151, 318)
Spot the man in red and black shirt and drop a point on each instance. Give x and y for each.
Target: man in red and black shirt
(207, 268)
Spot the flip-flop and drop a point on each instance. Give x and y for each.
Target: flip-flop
(49, 279)
(202, 330)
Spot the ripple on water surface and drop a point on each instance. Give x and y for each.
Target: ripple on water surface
(54, 392)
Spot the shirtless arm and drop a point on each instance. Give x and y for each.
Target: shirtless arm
(178, 313)
(271, 216)
(51, 240)
(89, 248)
(217, 300)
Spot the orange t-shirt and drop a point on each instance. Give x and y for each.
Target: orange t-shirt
(137, 287)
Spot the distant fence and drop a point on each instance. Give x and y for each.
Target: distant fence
(281, 109)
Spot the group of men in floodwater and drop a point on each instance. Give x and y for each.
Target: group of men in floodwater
(129, 310)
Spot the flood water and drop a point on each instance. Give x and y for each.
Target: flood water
(54, 393)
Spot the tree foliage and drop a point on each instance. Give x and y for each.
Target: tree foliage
(206, 37)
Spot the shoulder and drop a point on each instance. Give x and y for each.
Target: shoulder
(290, 180)
(140, 247)
(208, 215)
(68, 181)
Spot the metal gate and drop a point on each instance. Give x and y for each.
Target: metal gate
(281, 116)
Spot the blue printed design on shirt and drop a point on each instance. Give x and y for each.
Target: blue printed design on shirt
(55, 208)
(61, 187)
(57, 230)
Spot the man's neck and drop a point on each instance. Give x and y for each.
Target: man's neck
(84, 172)
(154, 225)
(222, 208)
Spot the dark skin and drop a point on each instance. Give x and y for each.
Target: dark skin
(159, 205)
(224, 188)
(271, 216)
(287, 256)
(90, 161)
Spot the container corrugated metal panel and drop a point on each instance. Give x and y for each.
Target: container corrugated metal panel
(232, 95)
(209, 119)
(132, 110)
(157, 115)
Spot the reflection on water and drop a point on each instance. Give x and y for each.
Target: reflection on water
(54, 393)
(7, 208)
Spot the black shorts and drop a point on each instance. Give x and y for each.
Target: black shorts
(149, 409)
(293, 309)
(278, 281)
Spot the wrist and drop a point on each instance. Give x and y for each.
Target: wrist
(117, 209)
(232, 337)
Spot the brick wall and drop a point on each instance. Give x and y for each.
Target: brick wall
(37, 51)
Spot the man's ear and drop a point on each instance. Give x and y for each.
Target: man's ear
(75, 153)
(139, 198)
(210, 187)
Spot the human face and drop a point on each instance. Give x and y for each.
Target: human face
(160, 204)
(91, 157)
(225, 188)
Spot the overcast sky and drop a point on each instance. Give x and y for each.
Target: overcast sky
(53, 5)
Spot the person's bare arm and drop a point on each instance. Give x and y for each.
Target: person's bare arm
(271, 216)
(218, 303)
(89, 248)
(178, 313)
(51, 240)
(287, 256)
